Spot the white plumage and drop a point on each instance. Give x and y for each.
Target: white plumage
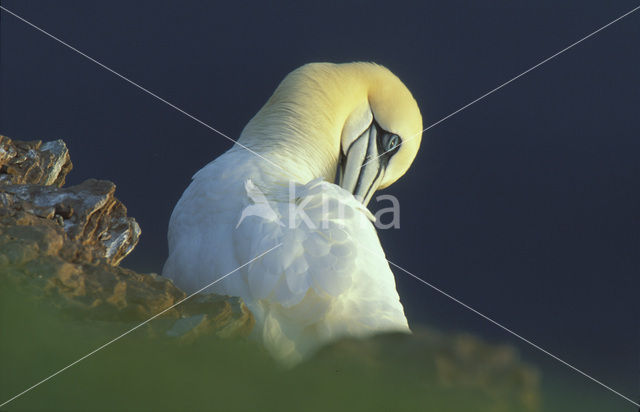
(328, 278)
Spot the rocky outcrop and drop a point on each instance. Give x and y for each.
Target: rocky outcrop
(33, 162)
(65, 243)
(93, 224)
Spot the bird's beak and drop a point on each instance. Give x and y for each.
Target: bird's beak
(360, 170)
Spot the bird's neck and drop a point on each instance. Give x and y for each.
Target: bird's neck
(300, 127)
(292, 156)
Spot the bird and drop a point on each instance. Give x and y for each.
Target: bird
(297, 184)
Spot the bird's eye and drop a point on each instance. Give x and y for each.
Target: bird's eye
(391, 142)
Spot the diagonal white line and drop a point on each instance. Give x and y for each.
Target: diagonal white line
(510, 80)
(138, 86)
(135, 327)
(513, 333)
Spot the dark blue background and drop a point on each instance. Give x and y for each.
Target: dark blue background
(525, 206)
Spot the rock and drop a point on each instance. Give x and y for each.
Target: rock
(34, 258)
(95, 222)
(111, 293)
(33, 162)
(64, 244)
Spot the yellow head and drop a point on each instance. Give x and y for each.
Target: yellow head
(355, 123)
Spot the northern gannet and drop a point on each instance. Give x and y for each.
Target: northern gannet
(329, 278)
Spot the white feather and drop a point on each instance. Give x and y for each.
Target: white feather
(324, 282)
